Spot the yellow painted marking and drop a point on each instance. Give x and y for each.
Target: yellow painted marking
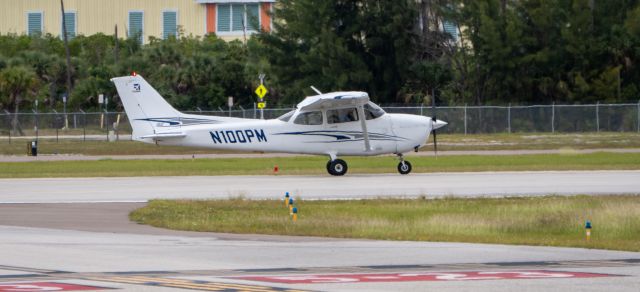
(184, 283)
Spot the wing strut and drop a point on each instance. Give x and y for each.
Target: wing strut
(363, 123)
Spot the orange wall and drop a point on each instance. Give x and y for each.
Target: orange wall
(211, 18)
(265, 17)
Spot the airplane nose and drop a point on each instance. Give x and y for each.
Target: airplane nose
(439, 124)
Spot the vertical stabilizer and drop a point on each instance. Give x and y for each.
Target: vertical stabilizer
(144, 106)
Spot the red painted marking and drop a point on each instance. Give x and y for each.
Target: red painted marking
(45, 286)
(428, 276)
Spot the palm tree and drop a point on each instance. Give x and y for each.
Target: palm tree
(16, 83)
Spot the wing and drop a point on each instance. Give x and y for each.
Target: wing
(334, 100)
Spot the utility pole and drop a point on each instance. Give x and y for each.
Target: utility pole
(117, 45)
(66, 47)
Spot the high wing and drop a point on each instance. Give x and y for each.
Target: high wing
(334, 100)
(340, 100)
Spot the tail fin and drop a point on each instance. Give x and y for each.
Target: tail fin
(144, 106)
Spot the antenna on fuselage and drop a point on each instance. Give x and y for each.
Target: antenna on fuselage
(316, 90)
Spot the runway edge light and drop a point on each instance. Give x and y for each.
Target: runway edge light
(294, 217)
(286, 199)
(587, 227)
(290, 206)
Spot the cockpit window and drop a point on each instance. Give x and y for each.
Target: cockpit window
(309, 118)
(286, 117)
(372, 111)
(343, 115)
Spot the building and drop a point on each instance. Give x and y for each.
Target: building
(229, 19)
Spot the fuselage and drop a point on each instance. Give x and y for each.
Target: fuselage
(388, 133)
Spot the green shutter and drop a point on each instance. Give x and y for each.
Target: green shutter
(253, 17)
(169, 24)
(224, 17)
(34, 23)
(451, 28)
(70, 24)
(237, 11)
(135, 25)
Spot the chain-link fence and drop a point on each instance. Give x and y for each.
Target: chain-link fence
(461, 119)
(534, 118)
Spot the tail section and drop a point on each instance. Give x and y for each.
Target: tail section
(145, 107)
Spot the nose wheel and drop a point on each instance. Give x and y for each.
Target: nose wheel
(404, 167)
(337, 167)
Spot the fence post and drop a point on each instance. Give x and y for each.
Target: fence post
(598, 117)
(84, 126)
(509, 118)
(465, 118)
(254, 110)
(106, 123)
(553, 117)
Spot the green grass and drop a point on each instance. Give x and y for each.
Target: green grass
(446, 142)
(316, 165)
(537, 141)
(549, 221)
(98, 148)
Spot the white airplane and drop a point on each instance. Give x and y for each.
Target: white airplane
(325, 124)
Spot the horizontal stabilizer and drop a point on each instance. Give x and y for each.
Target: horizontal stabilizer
(165, 136)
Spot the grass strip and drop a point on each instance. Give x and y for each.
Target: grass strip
(547, 221)
(303, 165)
(498, 141)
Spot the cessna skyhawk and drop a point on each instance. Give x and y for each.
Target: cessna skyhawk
(333, 124)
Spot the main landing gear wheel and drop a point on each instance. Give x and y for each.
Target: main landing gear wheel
(404, 167)
(337, 167)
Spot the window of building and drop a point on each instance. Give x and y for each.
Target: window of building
(169, 24)
(309, 118)
(451, 28)
(237, 17)
(136, 25)
(34, 23)
(343, 115)
(69, 24)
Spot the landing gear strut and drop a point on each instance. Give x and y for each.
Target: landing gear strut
(337, 167)
(404, 167)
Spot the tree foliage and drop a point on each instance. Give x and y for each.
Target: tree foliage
(528, 51)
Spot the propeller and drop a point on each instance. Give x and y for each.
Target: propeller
(433, 122)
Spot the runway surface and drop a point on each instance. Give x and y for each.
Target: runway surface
(54, 242)
(76, 249)
(141, 189)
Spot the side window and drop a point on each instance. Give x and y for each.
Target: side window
(309, 118)
(343, 115)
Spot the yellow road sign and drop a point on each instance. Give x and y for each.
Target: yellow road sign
(261, 91)
(262, 104)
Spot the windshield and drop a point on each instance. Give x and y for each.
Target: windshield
(287, 116)
(372, 111)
